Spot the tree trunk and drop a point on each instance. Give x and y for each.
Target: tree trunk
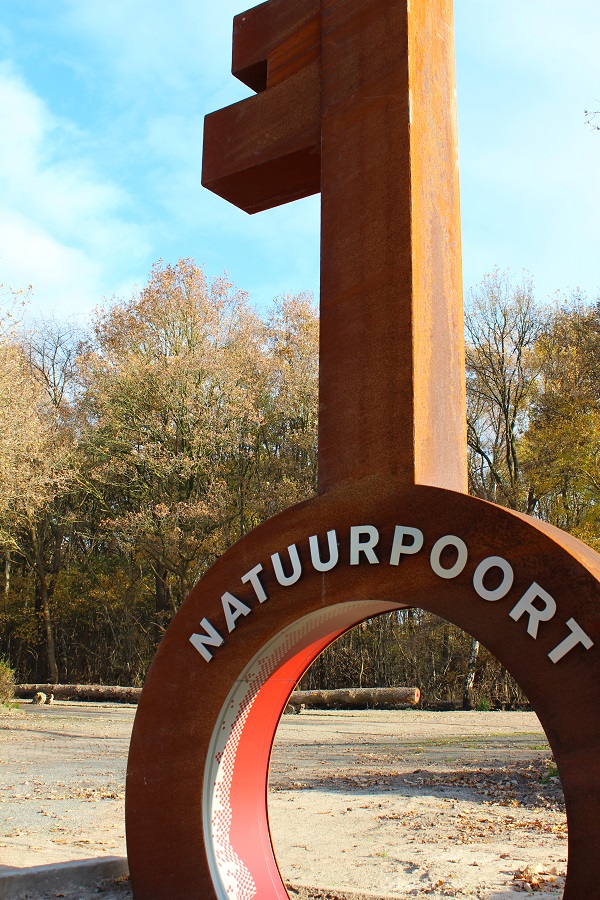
(50, 648)
(7, 573)
(45, 587)
(470, 676)
(161, 601)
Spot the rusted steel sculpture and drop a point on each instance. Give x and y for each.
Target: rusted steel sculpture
(356, 99)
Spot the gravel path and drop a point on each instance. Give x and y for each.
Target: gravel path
(62, 782)
(383, 803)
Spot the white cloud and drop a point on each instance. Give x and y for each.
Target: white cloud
(182, 46)
(29, 255)
(162, 67)
(147, 71)
(62, 226)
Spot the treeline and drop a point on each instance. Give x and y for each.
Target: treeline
(132, 455)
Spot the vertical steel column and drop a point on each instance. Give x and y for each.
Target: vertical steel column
(392, 396)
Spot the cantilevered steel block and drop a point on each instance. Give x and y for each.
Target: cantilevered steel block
(266, 150)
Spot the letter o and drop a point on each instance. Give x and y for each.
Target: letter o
(450, 540)
(493, 562)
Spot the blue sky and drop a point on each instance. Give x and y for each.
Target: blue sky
(101, 106)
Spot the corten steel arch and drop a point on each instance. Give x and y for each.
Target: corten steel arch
(356, 99)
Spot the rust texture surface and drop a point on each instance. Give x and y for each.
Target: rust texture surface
(275, 40)
(356, 98)
(392, 353)
(183, 696)
(265, 151)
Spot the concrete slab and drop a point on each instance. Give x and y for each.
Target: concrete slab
(15, 882)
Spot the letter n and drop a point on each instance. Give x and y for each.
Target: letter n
(212, 638)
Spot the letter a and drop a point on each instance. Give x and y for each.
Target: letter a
(233, 609)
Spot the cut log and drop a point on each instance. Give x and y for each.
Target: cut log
(357, 698)
(88, 692)
(343, 698)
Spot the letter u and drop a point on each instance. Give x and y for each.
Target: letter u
(315, 555)
(282, 578)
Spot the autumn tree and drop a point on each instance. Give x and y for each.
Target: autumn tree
(35, 472)
(171, 381)
(185, 419)
(286, 447)
(563, 441)
(130, 459)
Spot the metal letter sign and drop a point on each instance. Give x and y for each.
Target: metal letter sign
(355, 99)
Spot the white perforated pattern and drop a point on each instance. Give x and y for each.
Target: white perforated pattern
(233, 877)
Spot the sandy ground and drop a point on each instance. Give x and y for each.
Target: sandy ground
(386, 804)
(418, 804)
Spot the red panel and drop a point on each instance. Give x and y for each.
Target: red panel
(240, 836)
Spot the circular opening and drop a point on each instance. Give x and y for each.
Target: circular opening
(400, 803)
(434, 801)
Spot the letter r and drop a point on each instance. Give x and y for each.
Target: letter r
(536, 615)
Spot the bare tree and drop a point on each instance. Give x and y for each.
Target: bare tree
(53, 348)
(502, 325)
(591, 117)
